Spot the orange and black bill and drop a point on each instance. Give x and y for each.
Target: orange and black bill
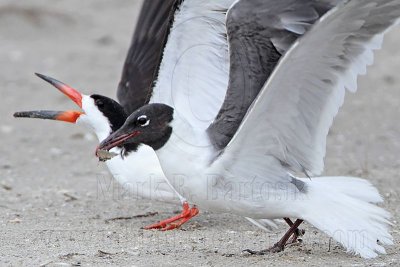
(67, 90)
(67, 116)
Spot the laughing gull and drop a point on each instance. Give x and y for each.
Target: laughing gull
(136, 167)
(250, 171)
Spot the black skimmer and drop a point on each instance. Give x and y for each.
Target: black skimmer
(141, 64)
(104, 115)
(283, 132)
(136, 168)
(139, 172)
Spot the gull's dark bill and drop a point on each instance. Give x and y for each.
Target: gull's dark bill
(111, 142)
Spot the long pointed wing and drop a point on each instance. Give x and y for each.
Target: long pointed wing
(193, 76)
(145, 52)
(290, 119)
(259, 32)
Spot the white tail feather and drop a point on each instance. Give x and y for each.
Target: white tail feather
(344, 208)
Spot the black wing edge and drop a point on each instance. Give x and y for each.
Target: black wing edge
(145, 53)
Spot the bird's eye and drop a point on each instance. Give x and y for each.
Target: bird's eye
(143, 120)
(99, 103)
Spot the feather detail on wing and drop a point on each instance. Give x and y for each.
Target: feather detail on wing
(193, 76)
(290, 118)
(259, 32)
(145, 53)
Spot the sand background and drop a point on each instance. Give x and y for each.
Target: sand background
(56, 199)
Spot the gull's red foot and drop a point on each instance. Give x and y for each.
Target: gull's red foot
(176, 221)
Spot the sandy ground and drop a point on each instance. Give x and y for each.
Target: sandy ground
(56, 199)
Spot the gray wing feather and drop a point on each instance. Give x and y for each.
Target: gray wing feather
(145, 53)
(291, 117)
(259, 32)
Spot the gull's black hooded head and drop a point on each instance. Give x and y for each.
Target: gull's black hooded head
(148, 125)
